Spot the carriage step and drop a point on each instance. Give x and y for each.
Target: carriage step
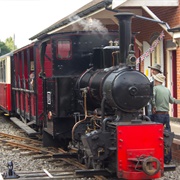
(24, 127)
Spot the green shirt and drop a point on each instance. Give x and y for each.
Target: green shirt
(162, 97)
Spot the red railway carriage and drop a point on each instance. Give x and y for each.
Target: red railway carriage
(27, 89)
(5, 83)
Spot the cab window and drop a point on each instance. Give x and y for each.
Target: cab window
(64, 49)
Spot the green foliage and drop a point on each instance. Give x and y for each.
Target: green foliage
(7, 47)
(3, 48)
(10, 43)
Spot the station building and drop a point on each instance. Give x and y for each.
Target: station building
(157, 35)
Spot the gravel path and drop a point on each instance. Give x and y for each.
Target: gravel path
(26, 163)
(22, 162)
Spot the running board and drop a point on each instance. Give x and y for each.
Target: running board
(93, 172)
(65, 155)
(24, 127)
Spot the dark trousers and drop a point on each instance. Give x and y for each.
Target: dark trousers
(165, 120)
(162, 118)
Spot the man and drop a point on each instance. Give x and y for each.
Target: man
(155, 69)
(160, 103)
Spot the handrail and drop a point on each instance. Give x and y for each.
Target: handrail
(23, 90)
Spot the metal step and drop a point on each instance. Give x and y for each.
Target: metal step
(25, 127)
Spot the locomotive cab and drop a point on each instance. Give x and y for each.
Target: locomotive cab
(72, 54)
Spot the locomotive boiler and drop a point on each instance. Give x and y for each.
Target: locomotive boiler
(112, 134)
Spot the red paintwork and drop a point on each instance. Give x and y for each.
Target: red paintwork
(25, 102)
(30, 103)
(48, 64)
(5, 96)
(17, 102)
(22, 101)
(134, 141)
(39, 85)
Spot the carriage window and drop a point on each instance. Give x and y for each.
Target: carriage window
(64, 49)
(2, 71)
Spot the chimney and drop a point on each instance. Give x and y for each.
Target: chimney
(125, 35)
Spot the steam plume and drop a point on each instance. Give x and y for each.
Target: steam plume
(89, 24)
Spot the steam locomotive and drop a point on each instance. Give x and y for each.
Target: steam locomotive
(80, 92)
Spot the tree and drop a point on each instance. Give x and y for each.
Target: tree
(10, 43)
(3, 48)
(8, 46)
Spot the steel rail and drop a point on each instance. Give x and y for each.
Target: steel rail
(19, 138)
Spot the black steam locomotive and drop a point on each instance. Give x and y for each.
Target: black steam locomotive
(87, 95)
(99, 112)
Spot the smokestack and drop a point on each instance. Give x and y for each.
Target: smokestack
(124, 35)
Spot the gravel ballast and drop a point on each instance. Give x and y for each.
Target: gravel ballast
(27, 163)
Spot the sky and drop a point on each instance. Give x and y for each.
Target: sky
(23, 19)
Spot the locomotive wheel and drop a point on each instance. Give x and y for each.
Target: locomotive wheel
(81, 156)
(96, 165)
(88, 162)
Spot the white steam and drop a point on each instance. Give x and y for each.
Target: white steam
(89, 24)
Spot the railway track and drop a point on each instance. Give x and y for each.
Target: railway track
(35, 149)
(44, 174)
(27, 146)
(23, 143)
